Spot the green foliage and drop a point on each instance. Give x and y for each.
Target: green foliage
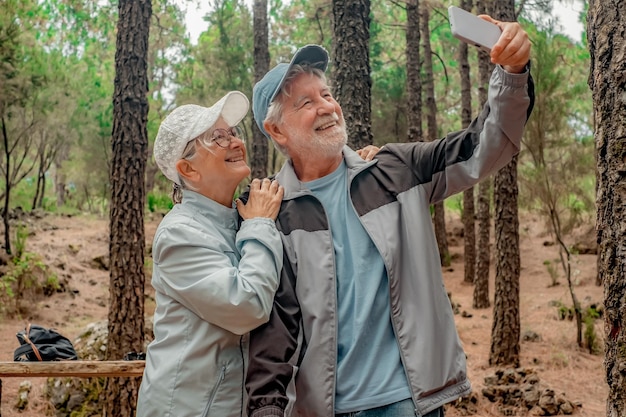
(554, 158)
(298, 23)
(388, 69)
(6, 289)
(557, 165)
(92, 390)
(159, 202)
(19, 244)
(454, 203)
(52, 284)
(222, 59)
(57, 75)
(22, 194)
(590, 315)
(26, 277)
(564, 312)
(552, 271)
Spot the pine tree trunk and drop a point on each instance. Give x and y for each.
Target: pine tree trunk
(505, 331)
(441, 234)
(606, 26)
(259, 154)
(483, 261)
(413, 73)
(59, 176)
(351, 68)
(483, 257)
(431, 121)
(128, 166)
(469, 224)
(59, 186)
(469, 236)
(7, 188)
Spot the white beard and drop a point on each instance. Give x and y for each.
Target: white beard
(320, 144)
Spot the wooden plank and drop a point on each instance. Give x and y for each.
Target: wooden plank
(80, 369)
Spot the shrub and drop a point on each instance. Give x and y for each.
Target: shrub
(590, 315)
(26, 277)
(159, 202)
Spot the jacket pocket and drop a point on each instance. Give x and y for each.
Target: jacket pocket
(218, 382)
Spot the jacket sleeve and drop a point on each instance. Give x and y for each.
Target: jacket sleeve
(196, 270)
(272, 349)
(461, 159)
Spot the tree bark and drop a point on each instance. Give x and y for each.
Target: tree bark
(483, 257)
(7, 188)
(413, 73)
(505, 331)
(259, 154)
(128, 166)
(480, 298)
(606, 29)
(352, 84)
(59, 175)
(469, 224)
(431, 121)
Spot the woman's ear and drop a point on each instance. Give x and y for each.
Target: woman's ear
(275, 132)
(187, 171)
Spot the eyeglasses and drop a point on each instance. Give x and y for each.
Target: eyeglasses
(223, 137)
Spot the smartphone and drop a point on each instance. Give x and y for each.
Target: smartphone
(472, 29)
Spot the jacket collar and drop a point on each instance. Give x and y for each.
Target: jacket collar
(294, 188)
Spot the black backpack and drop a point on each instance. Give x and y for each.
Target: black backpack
(41, 344)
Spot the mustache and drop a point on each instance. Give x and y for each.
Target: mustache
(331, 118)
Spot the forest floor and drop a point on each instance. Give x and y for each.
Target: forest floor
(76, 247)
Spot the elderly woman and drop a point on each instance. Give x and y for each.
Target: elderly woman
(214, 279)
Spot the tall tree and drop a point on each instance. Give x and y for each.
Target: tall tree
(606, 27)
(469, 224)
(46, 152)
(128, 166)
(483, 257)
(505, 330)
(555, 158)
(20, 80)
(222, 59)
(168, 53)
(413, 72)
(431, 125)
(258, 160)
(352, 84)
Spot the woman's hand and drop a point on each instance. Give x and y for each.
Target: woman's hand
(264, 200)
(369, 152)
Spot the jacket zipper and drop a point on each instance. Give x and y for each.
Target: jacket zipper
(391, 317)
(243, 377)
(214, 392)
(334, 273)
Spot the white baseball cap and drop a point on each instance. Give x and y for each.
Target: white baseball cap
(189, 121)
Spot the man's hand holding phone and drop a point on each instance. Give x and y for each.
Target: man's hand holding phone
(512, 50)
(507, 42)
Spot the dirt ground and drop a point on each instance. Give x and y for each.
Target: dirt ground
(70, 245)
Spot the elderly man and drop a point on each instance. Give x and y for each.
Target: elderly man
(361, 321)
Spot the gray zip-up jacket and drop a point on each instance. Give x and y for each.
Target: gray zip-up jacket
(213, 284)
(392, 197)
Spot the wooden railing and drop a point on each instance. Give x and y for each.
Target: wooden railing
(78, 369)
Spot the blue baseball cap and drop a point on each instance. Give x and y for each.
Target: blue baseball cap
(265, 91)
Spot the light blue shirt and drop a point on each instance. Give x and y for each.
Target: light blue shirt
(369, 369)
